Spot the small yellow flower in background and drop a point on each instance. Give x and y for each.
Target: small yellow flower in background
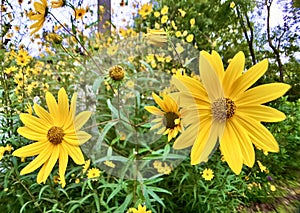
(56, 179)
(173, 25)
(140, 209)
(93, 173)
(10, 70)
(6, 189)
(182, 12)
(130, 84)
(169, 117)
(57, 133)
(86, 165)
(122, 136)
(79, 13)
(261, 167)
(111, 50)
(208, 174)
(178, 34)
(162, 169)
(232, 5)
(58, 3)
(164, 19)
(157, 37)
(8, 148)
(109, 164)
(40, 14)
(23, 159)
(156, 25)
(272, 188)
(185, 33)
(156, 14)
(190, 38)
(231, 113)
(145, 10)
(77, 180)
(192, 22)
(179, 49)
(116, 73)
(164, 10)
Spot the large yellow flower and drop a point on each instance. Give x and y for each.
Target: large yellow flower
(223, 109)
(57, 133)
(169, 120)
(41, 12)
(145, 10)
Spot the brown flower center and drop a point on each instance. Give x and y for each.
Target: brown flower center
(169, 120)
(55, 135)
(116, 73)
(223, 108)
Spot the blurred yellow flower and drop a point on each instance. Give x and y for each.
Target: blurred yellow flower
(164, 10)
(79, 13)
(272, 188)
(109, 164)
(232, 4)
(57, 133)
(86, 166)
(178, 34)
(190, 38)
(182, 12)
(208, 174)
(145, 10)
(261, 166)
(156, 14)
(40, 14)
(164, 19)
(10, 69)
(192, 22)
(58, 3)
(116, 73)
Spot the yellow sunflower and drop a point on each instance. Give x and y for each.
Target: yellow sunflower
(227, 111)
(57, 133)
(140, 209)
(41, 12)
(79, 13)
(208, 174)
(145, 10)
(169, 118)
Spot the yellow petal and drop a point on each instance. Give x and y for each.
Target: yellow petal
(156, 126)
(35, 123)
(39, 7)
(217, 63)
(30, 150)
(262, 94)
(53, 108)
(51, 161)
(77, 138)
(63, 105)
(262, 113)
(233, 72)
(230, 148)
(249, 78)
(154, 110)
(43, 114)
(81, 119)
(187, 138)
(31, 134)
(40, 176)
(203, 149)
(74, 152)
(244, 140)
(161, 103)
(260, 135)
(210, 78)
(38, 161)
(63, 163)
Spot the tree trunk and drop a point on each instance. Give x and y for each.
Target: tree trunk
(104, 20)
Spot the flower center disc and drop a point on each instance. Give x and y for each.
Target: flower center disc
(116, 73)
(169, 120)
(55, 135)
(223, 108)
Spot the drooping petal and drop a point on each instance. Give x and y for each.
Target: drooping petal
(74, 152)
(204, 149)
(230, 148)
(37, 124)
(81, 119)
(38, 161)
(248, 78)
(31, 134)
(63, 163)
(210, 78)
(51, 162)
(154, 110)
(244, 140)
(30, 150)
(260, 135)
(262, 113)
(187, 138)
(40, 176)
(262, 94)
(233, 72)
